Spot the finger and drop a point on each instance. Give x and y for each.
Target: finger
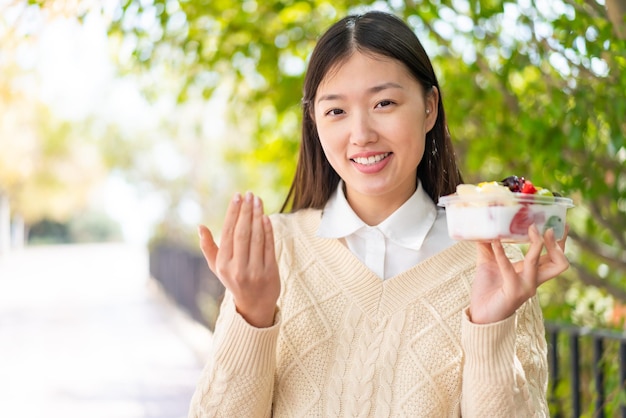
(270, 252)
(533, 256)
(536, 246)
(243, 230)
(532, 259)
(504, 264)
(208, 246)
(484, 252)
(549, 239)
(563, 239)
(257, 234)
(555, 262)
(228, 228)
(551, 243)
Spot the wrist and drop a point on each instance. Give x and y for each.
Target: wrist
(482, 318)
(258, 317)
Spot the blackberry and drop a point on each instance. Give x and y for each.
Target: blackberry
(514, 183)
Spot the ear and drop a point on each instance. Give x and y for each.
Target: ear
(432, 107)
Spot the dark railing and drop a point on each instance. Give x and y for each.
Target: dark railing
(587, 371)
(587, 366)
(186, 278)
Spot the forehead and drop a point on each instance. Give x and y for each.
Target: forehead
(364, 67)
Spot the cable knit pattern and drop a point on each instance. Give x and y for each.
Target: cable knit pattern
(338, 369)
(384, 396)
(346, 343)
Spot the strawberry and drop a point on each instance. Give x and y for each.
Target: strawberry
(521, 221)
(528, 187)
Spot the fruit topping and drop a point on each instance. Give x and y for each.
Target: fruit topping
(511, 184)
(544, 192)
(528, 187)
(514, 183)
(523, 219)
(523, 185)
(492, 187)
(556, 223)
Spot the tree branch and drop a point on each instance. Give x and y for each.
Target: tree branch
(590, 7)
(591, 280)
(615, 230)
(616, 12)
(604, 253)
(602, 160)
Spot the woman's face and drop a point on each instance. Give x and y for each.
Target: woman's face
(372, 117)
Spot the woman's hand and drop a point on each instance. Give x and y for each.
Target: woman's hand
(245, 261)
(501, 287)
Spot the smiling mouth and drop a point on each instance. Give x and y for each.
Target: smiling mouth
(371, 160)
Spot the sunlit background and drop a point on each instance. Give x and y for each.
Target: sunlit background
(126, 123)
(65, 81)
(84, 153)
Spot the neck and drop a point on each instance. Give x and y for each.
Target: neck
(374, 209)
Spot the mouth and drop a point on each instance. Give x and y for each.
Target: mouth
(372, 159)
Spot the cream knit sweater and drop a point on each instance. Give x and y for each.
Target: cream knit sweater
(347, 344)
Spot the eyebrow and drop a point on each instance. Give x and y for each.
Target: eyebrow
(375, 89)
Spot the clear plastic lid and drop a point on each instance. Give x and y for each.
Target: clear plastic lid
(505, 199)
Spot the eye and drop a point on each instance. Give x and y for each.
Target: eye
(385, 103)
(334, 112)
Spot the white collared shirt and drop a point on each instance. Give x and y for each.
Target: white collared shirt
(415, 231)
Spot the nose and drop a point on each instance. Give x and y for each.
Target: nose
(362, 129)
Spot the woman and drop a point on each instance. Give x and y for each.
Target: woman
(357, 303)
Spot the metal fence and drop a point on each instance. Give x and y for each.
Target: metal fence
(587, 371)
(187, 280)
(587, 366)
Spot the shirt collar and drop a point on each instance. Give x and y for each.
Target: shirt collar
(338, 218)
(408, 226)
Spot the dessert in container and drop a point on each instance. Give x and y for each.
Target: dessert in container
(503, 215)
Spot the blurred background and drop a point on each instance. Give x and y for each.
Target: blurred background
(126, 123)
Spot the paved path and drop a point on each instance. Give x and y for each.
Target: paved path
(85, 333)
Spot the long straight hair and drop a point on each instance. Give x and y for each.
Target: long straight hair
(381, 34)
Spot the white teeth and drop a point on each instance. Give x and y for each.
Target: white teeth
(370, 160)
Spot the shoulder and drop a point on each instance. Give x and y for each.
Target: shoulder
(304, 221)
(295, 234)
(460, 256)
(463, 254)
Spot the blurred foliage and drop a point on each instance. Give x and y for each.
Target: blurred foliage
(49, 163)
(532, 88)
(40, 155)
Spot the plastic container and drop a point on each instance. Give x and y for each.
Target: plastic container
(505, 217)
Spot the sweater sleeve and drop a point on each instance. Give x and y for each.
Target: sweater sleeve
(505, 371)
(238, 379)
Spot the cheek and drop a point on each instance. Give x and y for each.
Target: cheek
(419, 152)
(328, 137)
(414, 140)
(333, 151)
(330, 149)
(409, 136)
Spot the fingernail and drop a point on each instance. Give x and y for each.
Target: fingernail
(248, 196)
(257, 201)
(200, 232)
(237, 197)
